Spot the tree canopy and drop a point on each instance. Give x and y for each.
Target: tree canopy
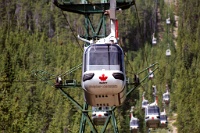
(34, 35)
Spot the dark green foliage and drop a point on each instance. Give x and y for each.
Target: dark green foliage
(35, 36)
(187, 80)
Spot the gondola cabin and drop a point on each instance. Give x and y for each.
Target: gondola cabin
(103, 76)
(166, 97)
(168, 21)
(154, 89)
(99, 115)
(154, 40)
(144, 104)
(163, 120)
(152, 116)
(134, 125)
(168, 52)
(151, 75)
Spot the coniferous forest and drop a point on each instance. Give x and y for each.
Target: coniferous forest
(36, 37)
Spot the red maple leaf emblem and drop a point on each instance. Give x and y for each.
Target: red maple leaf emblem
(103, 77)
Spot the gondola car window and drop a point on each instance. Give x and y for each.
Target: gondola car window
(108, 57)
(145, 103)
(98, 58)
(166, 96)
(114, 58)
(134, 122)
(153, 110)
(163, 117)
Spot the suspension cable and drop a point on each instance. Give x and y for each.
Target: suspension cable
(141, 33)
(72, 30)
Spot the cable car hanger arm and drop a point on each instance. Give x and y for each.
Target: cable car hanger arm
(140, 82)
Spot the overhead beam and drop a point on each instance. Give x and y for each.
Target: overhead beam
(92, 8)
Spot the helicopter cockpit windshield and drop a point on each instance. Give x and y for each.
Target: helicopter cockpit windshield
(103, 56)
